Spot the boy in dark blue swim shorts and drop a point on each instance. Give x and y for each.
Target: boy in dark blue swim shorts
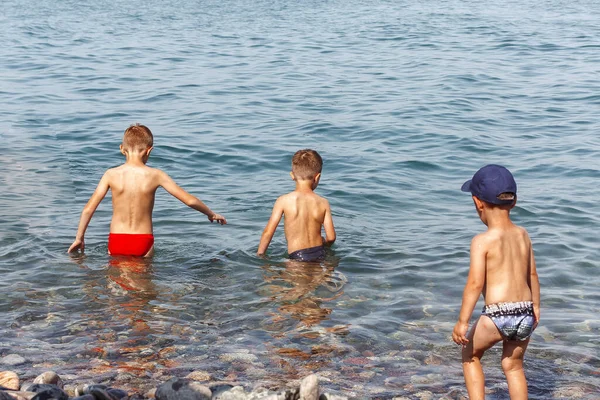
(503, 270)
(305, 213)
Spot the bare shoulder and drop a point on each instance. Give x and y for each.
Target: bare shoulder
(157, 175)
(285, 199)
(324, 202)
(483, 240)
(111, 173)
(523, 235)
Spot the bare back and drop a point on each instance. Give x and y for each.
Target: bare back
(133, 191)
(304, 214)
(508, 265)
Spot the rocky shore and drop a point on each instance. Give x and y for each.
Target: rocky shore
(50, 386)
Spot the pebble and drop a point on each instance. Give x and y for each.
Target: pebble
(199, 376)
(235, 393)
(5, 396)
(309, 388)
(45, 391)
(13, 360)
(182, 389)
(428, 379)
(10, 380)
(569, 392)
(50, 378)
(334, 397)
(151, 394)
(245, 357)
(426, 395)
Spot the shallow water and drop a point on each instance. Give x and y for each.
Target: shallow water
(403, 100)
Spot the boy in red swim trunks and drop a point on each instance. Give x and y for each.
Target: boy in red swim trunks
(133, 186)
(305, 212)
(503, 270)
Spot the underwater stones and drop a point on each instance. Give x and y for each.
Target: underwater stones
(182, 389)
(309, 388)
(46, 392)
(332, 397)
(109, 394)
(9, 380)
(428, 379)
(244, 357)
(12, 360)
(5, 396)
(50, 378)
(569, 392)
(234, 393)
(367, 374)
(150, 394)
(146, 352)
(425, 395)
(198, 376)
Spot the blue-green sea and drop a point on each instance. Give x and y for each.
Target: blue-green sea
(403, 100)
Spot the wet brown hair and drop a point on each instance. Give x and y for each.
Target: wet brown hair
(138, 137)
(306, 164)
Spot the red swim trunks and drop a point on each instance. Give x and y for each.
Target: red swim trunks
(129, 244)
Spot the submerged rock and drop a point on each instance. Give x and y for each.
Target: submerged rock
(46, 392)
(200, 376)
(50, 378)
(244, 357)
(182, 389)
(12, 360)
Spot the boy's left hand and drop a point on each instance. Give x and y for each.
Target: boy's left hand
(77, 245)
(219, 218)
(459, 335)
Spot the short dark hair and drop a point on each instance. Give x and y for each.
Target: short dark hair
(306, 164)
(506, 196)
(138, 136)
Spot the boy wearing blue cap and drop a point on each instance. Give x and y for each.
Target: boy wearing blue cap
(503, 270)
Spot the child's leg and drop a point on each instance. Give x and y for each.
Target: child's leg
(482, 336)
(512, 364)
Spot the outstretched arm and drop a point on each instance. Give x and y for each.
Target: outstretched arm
(329, 229)
(534, 284)
(269, 231)
(87, 213)
(473, 288)
(189, 200)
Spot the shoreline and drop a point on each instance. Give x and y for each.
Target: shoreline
(49, 385)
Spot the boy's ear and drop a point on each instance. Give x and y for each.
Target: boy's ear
(292, 175)
(478, 203)
(149, 150)
(317, 177)
(121, 149)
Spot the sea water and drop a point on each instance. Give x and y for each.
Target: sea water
(404, 101)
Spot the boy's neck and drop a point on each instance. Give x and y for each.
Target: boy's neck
(135, 159)
(498, 218)
(304, 186)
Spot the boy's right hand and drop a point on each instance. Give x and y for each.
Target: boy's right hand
(78, 244)
(459, 335)
(219, 218)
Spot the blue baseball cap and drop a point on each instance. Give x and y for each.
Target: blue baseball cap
(490, 182)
